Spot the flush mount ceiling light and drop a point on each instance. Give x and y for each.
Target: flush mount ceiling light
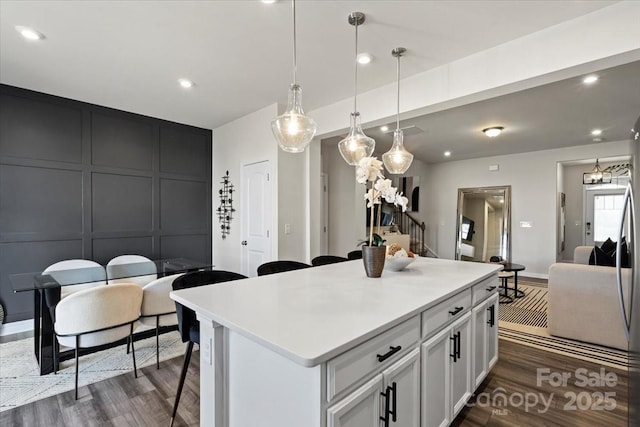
(269, 1)
(29, 33)
(185, 83)
(364, 58)
(494, 131)
(384, 128)
(596, 176)
(356, 144)
(294, 130)
(397, 160)
(590, 79)
(596, 132)
(447, 153)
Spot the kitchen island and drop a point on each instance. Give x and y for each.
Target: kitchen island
(327, 346)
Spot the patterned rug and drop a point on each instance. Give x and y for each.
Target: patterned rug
(524, 321)
(20, 382)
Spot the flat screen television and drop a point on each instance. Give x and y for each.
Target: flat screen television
(467, 228)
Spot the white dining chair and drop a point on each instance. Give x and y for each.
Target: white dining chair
(157, 308)
(98, 316)
(88, 274)
(131, 269)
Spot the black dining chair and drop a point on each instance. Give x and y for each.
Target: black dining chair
(188, 324)
(327, 259)
(273, 267)
(355, 254)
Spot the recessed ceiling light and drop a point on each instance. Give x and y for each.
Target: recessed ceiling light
(269, 1)
(384, 128)
(494, 131)
(364, 58)
(447, 153)
(590, 79)
(596, 132)
(186, 83)
(29, 33)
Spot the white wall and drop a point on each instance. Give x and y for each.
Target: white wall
(532, 177)
(242, 141)
(292, 205)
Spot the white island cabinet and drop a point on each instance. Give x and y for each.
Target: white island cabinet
(328, 347)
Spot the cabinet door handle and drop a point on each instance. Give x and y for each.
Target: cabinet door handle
(456, 310)
(455, 348)
(490, 288)
(394, 403)
(458, 339)
(387, 410)
(492, 316)
(392, 350)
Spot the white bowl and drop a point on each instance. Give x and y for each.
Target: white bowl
(397, 263)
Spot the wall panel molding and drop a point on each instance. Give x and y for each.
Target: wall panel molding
(79, 180)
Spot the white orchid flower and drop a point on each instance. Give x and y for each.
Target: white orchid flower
(371, 198)
(401, 201)
(383, 186)
(369, 169)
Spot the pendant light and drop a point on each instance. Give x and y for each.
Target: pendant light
(356, 145)
(294, 130)
(397, 160)
(597, 175)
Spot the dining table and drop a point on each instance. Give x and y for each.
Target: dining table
(42, 282)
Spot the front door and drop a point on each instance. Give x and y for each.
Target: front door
(256, 216)
(603, 208)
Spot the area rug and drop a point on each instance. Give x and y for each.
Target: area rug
(20, 382)
(524, 321)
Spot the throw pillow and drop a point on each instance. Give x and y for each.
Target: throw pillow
(608, 245)
(624, 259)
(600, 257)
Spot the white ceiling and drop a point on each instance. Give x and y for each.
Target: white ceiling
(556, 115)
(128, 55)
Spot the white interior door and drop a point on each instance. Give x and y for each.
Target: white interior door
(603, 208)
(256, 216)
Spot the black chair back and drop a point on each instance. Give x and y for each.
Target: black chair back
(327, 259)
(187, 322)
(355, 254)
(280, 266)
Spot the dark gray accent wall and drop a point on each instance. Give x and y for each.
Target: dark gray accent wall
(83, 181)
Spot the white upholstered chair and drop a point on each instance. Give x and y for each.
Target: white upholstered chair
(98, 316)
(157, 308)
(88, 274)
(131, 269)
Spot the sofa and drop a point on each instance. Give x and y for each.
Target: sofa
(583, 301)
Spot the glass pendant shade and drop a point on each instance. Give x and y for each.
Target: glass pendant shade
(294, 130)
(356, 144)
(397, 160)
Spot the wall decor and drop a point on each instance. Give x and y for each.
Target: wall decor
(225, 210)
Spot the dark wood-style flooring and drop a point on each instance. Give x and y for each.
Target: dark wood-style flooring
(148, 400)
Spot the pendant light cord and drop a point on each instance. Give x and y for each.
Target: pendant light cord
(295, 62)
(398, 106)
(355, 85)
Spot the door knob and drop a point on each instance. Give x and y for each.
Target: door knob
(244, 243)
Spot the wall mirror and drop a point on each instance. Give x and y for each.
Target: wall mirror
(483, 226)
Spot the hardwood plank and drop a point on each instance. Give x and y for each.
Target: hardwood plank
(148, 400)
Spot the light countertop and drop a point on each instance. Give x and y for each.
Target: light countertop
(314, 314)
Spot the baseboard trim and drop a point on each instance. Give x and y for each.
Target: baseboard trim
(534, 275)
(16, 327)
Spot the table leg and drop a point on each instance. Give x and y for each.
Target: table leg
(44, 336)
(517, 293)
